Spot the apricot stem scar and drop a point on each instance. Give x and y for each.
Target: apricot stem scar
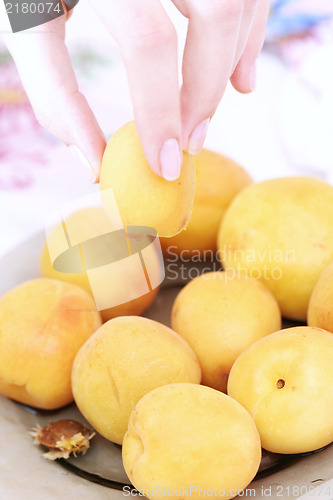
(280, 383)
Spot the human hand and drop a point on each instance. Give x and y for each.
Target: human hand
(223, 41)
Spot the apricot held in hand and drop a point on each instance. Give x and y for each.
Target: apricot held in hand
(43, 324)
(144, 198)
(187, 437)
(126, 358)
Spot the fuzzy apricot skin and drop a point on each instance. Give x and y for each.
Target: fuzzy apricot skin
(280, 232)
(183, 436)
(43, 322)
(320, 312)
(220, 316)
(126, 277)
(285, 381)
(126, 358)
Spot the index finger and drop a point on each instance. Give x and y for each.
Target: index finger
(148, 44)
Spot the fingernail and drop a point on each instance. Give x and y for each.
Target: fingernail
(252, 76)
(77, 151)
(170, 160)
(197, 138)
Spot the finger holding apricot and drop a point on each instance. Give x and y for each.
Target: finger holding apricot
(223, 41)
